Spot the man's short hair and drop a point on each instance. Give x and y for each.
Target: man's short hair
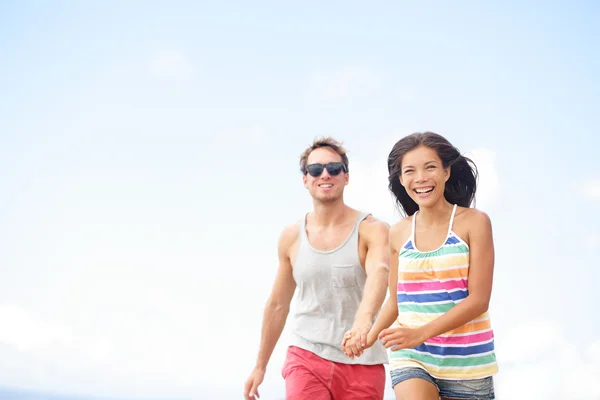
(323, 142)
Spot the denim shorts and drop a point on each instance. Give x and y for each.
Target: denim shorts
(472, 389)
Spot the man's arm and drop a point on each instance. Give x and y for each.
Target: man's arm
(376, 235)
(276, 310)
(389, 312)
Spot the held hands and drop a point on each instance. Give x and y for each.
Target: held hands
(356, 340)
(398, 338)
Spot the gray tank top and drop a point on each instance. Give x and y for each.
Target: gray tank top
(329, 290)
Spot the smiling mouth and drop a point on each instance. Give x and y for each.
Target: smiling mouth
(424, 190)
(325, 185)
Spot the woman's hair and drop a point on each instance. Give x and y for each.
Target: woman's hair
(460, 187)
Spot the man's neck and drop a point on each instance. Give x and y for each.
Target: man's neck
(329, 214)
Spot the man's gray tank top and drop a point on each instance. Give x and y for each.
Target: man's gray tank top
(330, 287)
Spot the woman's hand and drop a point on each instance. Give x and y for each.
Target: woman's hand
(401, 338)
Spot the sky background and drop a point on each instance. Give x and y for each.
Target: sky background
(149, 160)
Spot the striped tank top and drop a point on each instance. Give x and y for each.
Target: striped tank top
(429, 284)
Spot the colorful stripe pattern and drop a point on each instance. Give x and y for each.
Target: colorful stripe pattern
(429, 285)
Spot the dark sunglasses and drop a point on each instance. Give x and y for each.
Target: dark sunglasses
(334, 168)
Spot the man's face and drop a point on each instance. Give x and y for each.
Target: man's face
(326, 186)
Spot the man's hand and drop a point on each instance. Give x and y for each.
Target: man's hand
(401, 338)
(355, 340)
(251, 387)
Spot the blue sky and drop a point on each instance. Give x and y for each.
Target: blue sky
(150, 159)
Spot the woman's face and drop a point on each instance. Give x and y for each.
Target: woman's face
(423, 176)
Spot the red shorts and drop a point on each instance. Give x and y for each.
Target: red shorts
(310, 377)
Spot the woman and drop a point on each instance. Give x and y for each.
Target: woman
(438, 329)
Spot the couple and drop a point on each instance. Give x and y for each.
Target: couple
(433, 330)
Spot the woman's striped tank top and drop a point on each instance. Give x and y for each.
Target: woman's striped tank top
(429, 284)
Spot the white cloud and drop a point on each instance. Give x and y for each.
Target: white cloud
(172, 64)
(592, 241)
(163, 354)
(517, 348)
(48, 338)
(537, 361)
(44, 354)
(488, 185)
(368, 186)
(594, 352)
(368, 191)
(345, 83)
(19, 329)
(591, 189)
(156, 294)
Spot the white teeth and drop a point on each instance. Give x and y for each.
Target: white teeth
(325, 185)
(424, 190)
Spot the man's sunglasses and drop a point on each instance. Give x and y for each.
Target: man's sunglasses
(334, 168)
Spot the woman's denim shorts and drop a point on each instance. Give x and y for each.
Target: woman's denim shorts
(472, 389)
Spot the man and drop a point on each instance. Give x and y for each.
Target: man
(337, 257)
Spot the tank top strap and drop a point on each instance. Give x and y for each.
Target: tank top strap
(361, 217)
(303, 235)
(414, 224)
(451, 219)
(353, 239)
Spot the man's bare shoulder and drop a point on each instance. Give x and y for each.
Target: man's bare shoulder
(289, 235)
(400, 231)
(373, 227)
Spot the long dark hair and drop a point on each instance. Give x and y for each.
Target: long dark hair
(460, 187)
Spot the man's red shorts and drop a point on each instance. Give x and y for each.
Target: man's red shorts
(308, 376)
